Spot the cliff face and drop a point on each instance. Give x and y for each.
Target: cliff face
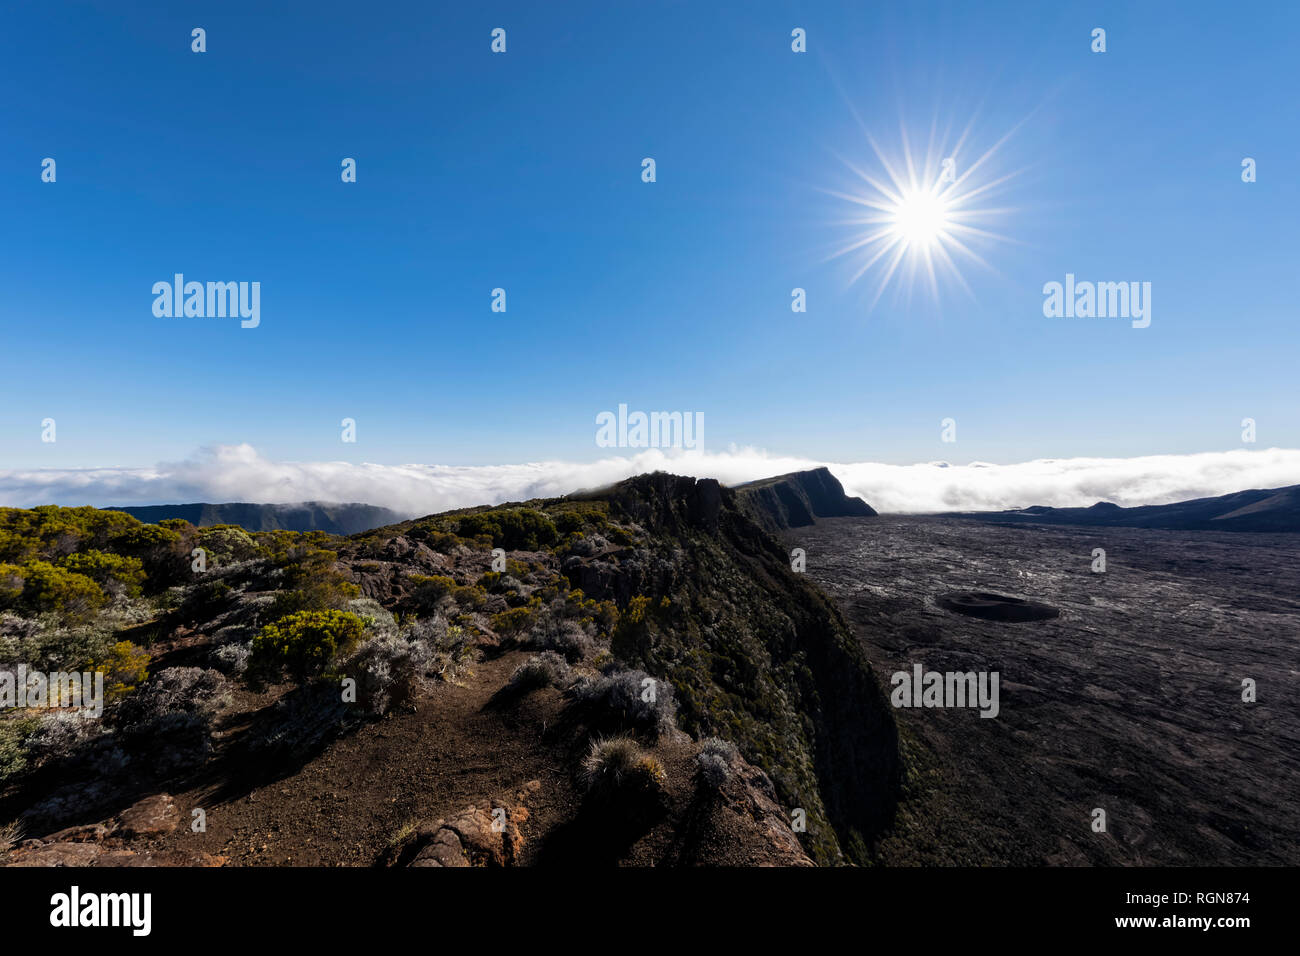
(755, 653)
(797, 500)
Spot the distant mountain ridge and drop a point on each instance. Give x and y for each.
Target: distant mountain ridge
(797, 500)
(1274, 510)
(334, 518)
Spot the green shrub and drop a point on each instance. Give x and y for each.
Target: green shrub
(315, 596)
(13, 750)
(515, 529)
(145, 539)
(470, 597)
(12, 584)
(125, 667)
(568, 522)
(160, 550)
(46, 588)
(206, 600)
(15, 547)
(51, 532)
(110, 571)
(227, 544)
(311, 583)
(512, 621)
(573, 517)
(430, 589)
(435, 536)
(631, 632)
(308, 641)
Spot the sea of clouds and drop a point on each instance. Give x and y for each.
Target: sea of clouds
(240, 473)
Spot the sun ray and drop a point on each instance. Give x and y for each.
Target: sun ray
(924, 218)
(868, 240)
(874, 259)
(889, 272)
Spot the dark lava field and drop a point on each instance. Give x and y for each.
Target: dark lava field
(1130, 700)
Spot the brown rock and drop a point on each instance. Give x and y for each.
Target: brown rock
(469, 838)
(94, 854)
(443, 849)
(88, 833)
(69, 854)
(149, 817)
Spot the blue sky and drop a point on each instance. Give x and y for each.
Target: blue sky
(522, 171)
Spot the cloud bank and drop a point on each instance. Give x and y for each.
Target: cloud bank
(239, 473)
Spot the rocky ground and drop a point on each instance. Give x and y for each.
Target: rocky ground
(485, 697)
(421, 789)
(490, 680)
(1129, 701)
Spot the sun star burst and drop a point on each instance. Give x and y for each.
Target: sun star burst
(922, 221)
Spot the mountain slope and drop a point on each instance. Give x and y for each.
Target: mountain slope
(638, 679)
(350, 518)
(1260, 510)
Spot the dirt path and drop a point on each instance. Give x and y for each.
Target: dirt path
(345, 806)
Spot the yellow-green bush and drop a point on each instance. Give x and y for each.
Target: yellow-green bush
(106, 569)
(515, 529)
(12, 583)
(431, 588)
(632, 632)
(145, 539)
(51, 532)
(125, 667)
(227, 543)
(308, 641)
(46, 588)
(311, 583)
(512, 621)
(470, 597)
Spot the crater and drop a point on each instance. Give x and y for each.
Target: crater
(996, 607)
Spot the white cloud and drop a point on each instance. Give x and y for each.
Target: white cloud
(239, 473)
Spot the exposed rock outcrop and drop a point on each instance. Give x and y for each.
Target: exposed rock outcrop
(114, 842)
(481, 835)
(798, 499)
(754, 652)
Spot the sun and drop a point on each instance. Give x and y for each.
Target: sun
(920, 218)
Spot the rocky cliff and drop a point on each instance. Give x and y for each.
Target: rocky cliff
(797, 500)
(754, 651)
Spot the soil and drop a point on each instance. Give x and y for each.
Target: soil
(462, 746)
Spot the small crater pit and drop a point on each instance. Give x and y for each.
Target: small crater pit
(996, 607)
